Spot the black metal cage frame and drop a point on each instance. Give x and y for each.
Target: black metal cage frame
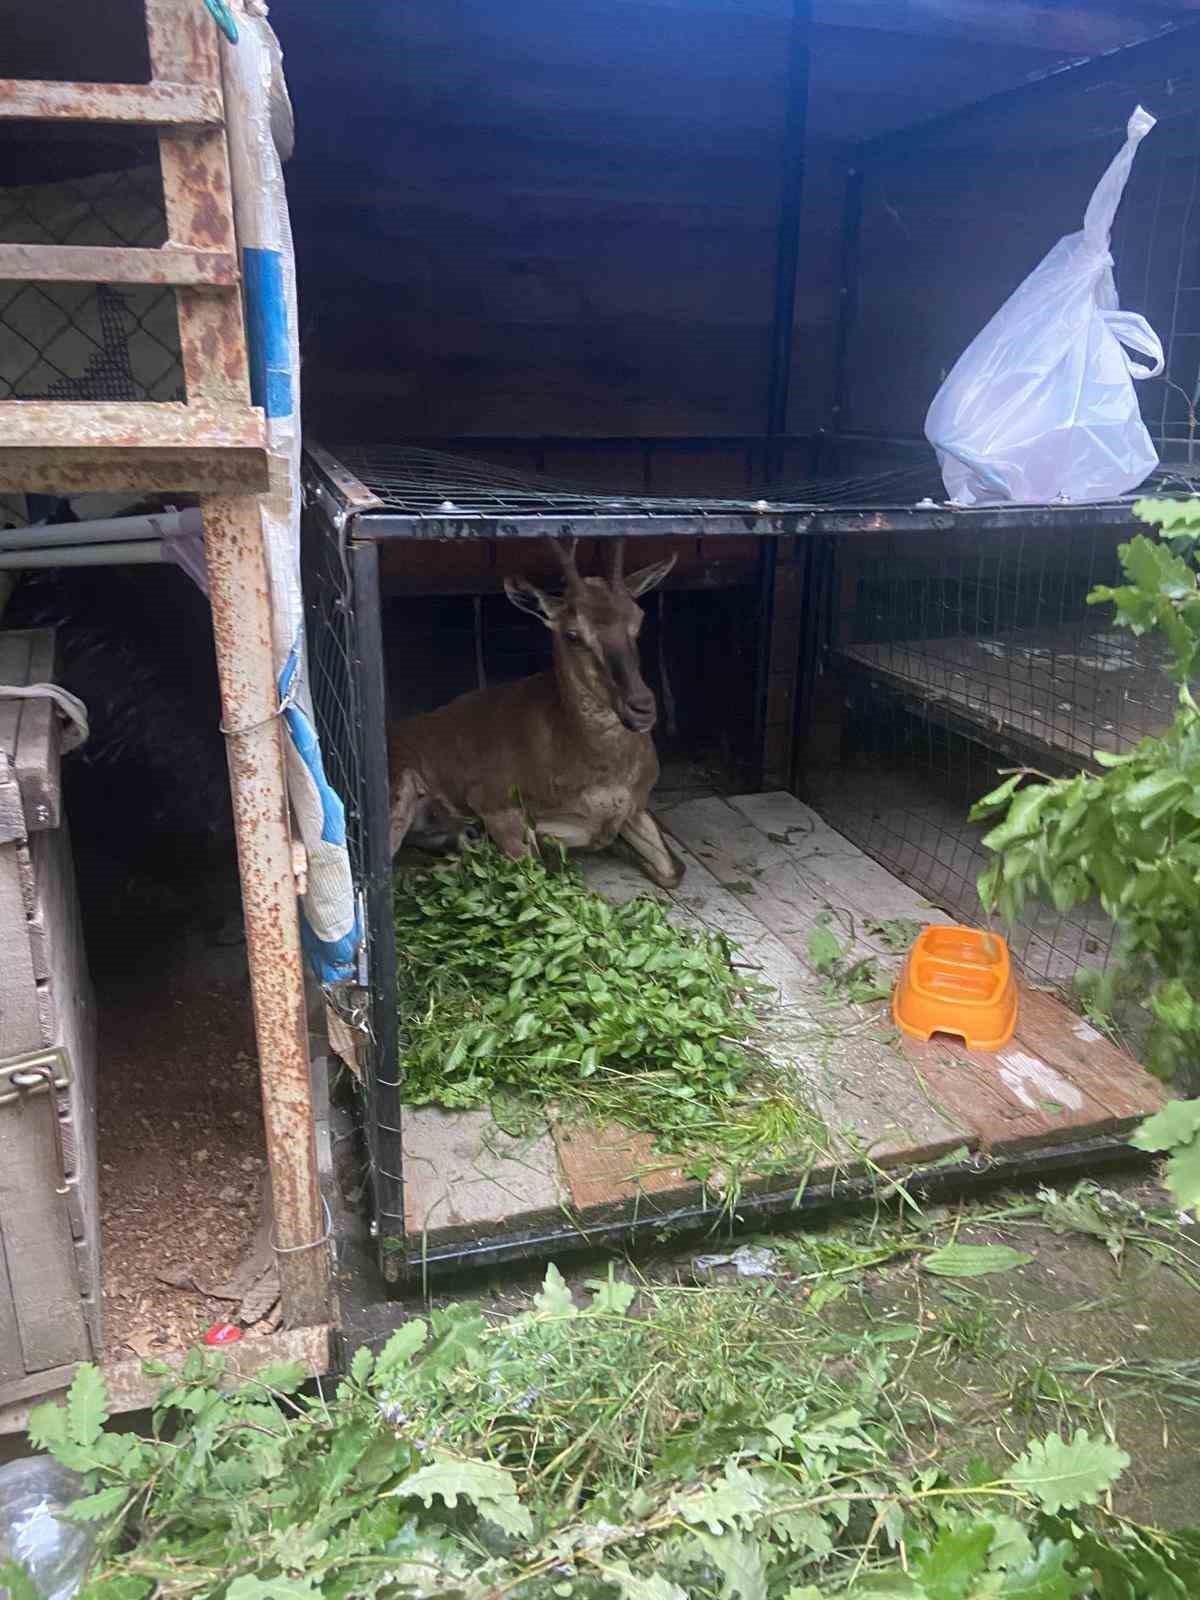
(363, 498)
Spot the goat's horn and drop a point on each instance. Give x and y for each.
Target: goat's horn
(616, 562)
(564, 551)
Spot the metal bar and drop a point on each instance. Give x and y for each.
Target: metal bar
(383, 1107)
(112, 553)
(152, 105)
(852, 210)
(753, 524)
(102, 530)
(64, 447)
(199, 207)
(241, 614)
(1165, 49)
(768, 553)
(791, 208)
(354, 496)
(59, 263)
(695, 443)
(121, 425)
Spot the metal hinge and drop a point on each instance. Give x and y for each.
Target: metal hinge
(41, 1071)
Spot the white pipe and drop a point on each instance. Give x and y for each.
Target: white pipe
(140, 553)
(103, 530)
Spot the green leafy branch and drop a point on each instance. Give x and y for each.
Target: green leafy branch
(592, 1446)
(1129, 835)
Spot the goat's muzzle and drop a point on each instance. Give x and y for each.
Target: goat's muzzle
(639, 713)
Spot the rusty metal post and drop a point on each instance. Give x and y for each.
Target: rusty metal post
(199, 205)
(241, 614)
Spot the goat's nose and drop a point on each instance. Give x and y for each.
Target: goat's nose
(642, 705)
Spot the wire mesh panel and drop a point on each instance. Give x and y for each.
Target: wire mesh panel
(86, 341)
(345, 672)
(961, 658)
(1156, 248)
(439, 486)
(999, 632)
(908, 778)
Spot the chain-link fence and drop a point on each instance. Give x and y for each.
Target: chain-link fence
(87, 341)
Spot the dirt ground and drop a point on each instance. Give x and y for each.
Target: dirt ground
(180, 1124)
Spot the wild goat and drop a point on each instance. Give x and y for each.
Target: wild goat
(566, 754)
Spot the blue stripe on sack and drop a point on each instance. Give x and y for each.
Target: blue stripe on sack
(330, 959)
(267, 331)
(304, 737)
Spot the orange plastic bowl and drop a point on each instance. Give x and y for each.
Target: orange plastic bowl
(959, 981)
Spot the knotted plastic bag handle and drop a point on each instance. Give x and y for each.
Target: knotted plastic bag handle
(1135, 333)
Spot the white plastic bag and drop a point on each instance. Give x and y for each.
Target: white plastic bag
(33, 1532)
(1041, 405)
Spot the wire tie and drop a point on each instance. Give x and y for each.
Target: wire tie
(284, 707)
(313, 1244)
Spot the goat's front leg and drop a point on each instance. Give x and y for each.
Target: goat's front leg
(509, 832)
(405, 802)
(654, 855)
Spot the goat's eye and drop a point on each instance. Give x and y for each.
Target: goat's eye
(570, 636)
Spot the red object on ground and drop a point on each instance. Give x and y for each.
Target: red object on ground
(222, 1333)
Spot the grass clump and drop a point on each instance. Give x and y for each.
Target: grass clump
(517, 980)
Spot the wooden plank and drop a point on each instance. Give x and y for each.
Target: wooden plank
(20, 1025)
(1072, 689)
(130, 1389)
(1013, 1100)
(60, 263)
(1070, 1045)
(15, 646)
(73, 1025)
(36, 1231)
(849, 879)
(611, 1172)
(464, 1178)
(793, 893)
(152, 105)
(11, 1363)
(1061, 31)
(1058, 1078)
(37, 752)
(858, 1084)
(34, 1386)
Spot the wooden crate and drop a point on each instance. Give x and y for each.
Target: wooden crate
(49, 1212)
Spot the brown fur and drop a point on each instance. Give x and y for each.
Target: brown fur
(568, 752)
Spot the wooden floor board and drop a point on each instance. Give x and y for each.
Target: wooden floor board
(1057, 1079)
(765, 870)
(860, 1086)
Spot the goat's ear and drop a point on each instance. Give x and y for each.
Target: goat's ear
(639, 582)
(527, 598)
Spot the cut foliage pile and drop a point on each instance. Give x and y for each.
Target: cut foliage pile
(650, 1444)
(518, 981)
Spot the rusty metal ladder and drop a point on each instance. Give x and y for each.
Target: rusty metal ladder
(212, 446)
